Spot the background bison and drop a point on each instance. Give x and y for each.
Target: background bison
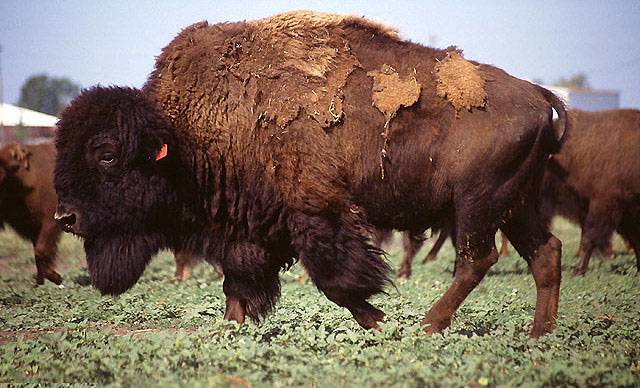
(293, 136)
(28, 202)
(595, 179)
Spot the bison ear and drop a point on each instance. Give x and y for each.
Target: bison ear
(146, 129)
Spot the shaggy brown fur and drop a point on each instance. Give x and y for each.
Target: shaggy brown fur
(28, 202)
(275, 151)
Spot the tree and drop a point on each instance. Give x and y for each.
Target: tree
(47, 94)
(577, 81)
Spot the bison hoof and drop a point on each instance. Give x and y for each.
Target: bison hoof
(429, 258)
(55, 278)
(430, 330)
(52, 276)
(369, 318)
(434, 327)
(404, 274)
(579, 272)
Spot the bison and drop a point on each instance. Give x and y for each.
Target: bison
(257, 142)
(28, 202)
(595, 179)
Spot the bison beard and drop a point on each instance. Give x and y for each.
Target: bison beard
(292, 137)
(115, 264)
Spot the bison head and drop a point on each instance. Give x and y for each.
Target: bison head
(112, 190)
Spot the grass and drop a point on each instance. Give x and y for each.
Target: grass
(160, 334)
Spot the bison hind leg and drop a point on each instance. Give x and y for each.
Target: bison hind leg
(475, 254)
(542, 252)
(338, 254)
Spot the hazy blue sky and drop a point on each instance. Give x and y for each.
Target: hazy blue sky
(115, 42)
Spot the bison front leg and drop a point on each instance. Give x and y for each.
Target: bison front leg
(45, 248)
(251, 282)
(342, 262)
(473, 260)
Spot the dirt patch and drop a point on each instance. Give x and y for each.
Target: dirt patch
(460, 82)
(299, 64)
(32, 335)
(390, 93)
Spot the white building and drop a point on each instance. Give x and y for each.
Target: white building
(587, 99)
(25, 125)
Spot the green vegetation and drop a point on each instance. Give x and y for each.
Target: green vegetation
(160, 334)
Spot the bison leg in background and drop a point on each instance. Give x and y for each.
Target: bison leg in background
(442, 237)
(412, 242)
(184, 262)
(45, 253)
(474, 256)
(341, 261)
(382, 237)
(542, 252)
(251, 284)
(630, 229)
(597, 230)
(504, 247)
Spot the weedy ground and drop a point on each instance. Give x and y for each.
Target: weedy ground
(162, 334)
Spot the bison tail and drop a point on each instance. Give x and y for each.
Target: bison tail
(561, 125)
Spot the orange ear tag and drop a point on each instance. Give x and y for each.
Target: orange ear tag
(162, 153)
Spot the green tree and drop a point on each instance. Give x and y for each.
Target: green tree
(577, 81)
(47, 94)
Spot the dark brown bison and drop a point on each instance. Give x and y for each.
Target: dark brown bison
(595, 179)
(291, 137)
(28, 202)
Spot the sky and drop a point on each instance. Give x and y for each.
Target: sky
(115, 42)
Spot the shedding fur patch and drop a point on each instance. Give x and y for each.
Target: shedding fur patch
(310, 63)
(271, 70)
(390, 93)
(460, 82)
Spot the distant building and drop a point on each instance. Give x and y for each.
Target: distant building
(587, 99)
(25, 125)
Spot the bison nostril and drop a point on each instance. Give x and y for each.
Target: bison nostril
(65, 219)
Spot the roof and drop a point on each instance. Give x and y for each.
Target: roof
(12, 115)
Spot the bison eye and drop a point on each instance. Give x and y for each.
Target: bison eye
(107, 159)
(105, 155)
